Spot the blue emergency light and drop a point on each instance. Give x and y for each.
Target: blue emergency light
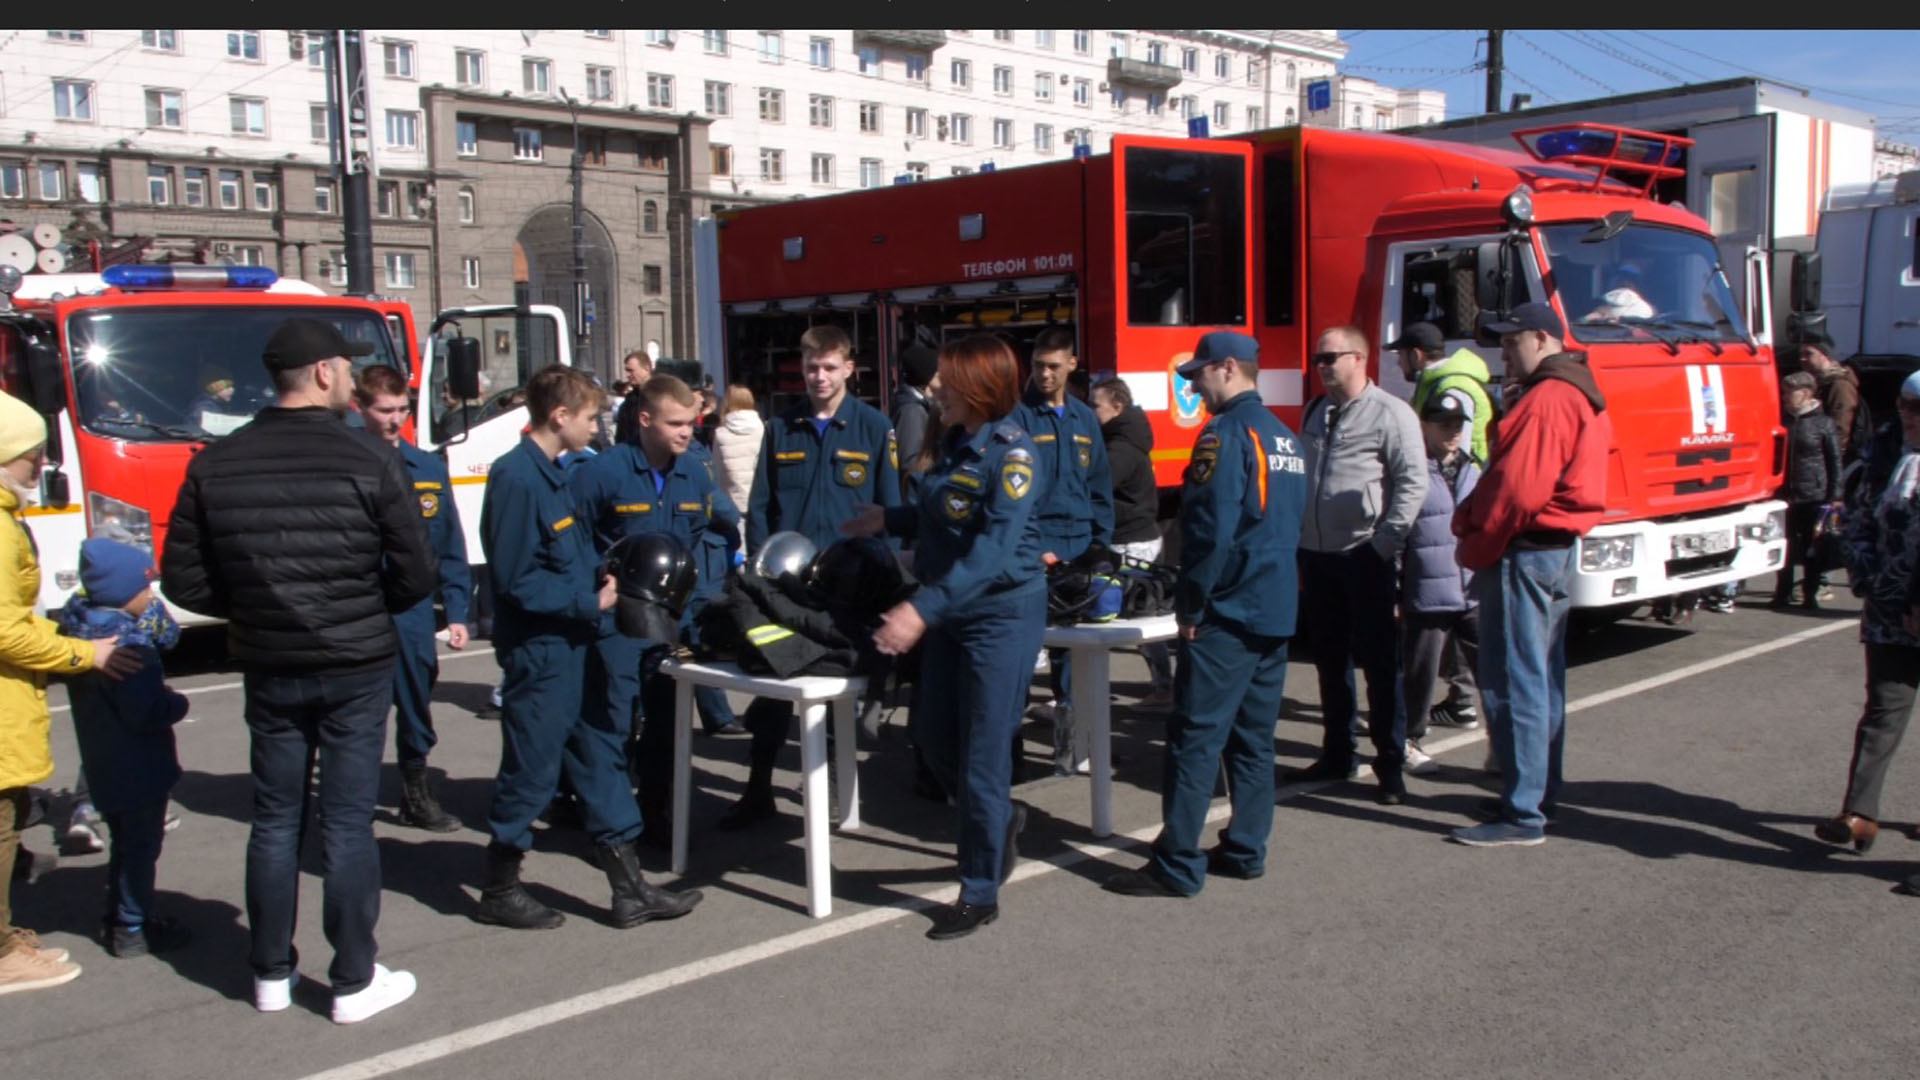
(1196, 127)
(134, 278)
(1556, 144)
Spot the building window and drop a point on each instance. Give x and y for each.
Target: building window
(1082, 91)
(916, 171)
(13, 180)
(1043, 86)
(1253, 118)
(163, 109)
(870, 117)
(316, 51)
(1043, 39)
(654, 153)
(418, 204)
(773, 166)
(1002, 79)
(659, 91)
(650, 216)
(1117, 45)
(323, 197)
(651, 280)
(820, 52)
(159, 185)
(1083, 41)
(1190, 61)
(526, 144)
(403, 129)
(399, 270)
(662, 38)
(67, 35)
(1221, 112)
(230, 189)
(163, 40)
(823, 169)
(536, 76)
(464, 199)
(337, 268)
(1003, 134)
(470, 67)
(1292, 74)
(250, 255)
(1189, 107)
(819, 110)
(599, 83)
(466, 138)
(1289, 114)
(1222, 65)
(386, 199)
(1120, 99)
(398, 57)
(770, 46)
(262, 191)
(320, 123)
(1043, 138)
(603, 35)
(773, 105)
(962, 128)
(243, 44)
(53, 180)
(719, 98)
(193, 187)
(960, 73)
(867, 62)
(1003, 35)
(917, 123)
(714, 41)
(722, 159)
(470, 269)
(917, 69)
(1356, 116)
(869, 172)
(72, 99)
(248, 115)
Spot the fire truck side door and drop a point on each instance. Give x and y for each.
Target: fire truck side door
(1730, 183)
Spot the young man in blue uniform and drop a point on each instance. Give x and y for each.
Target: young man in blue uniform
(818, 463)
(1239, 528)
(1076, 503)
(655, 483)
(549, 599)
(380, 396)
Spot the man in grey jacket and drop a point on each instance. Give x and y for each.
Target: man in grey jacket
(1366, 478)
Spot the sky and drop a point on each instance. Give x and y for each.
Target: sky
(1870, 70)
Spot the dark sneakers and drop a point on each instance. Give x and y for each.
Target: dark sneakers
(957, 920)
(1220, 864)
(157, 936)
(754, 806)
(1321, 769)
(1142, 882)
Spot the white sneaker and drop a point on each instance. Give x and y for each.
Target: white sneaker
(273, 995)
(1419, 762)
(388, 988)
(1084, 767)
(1040, 662)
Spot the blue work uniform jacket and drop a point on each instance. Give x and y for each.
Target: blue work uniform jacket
(1240, 507)
(434, 492)
(1076, 507)
(973, 523)
(539, 553)
(616, 495)
(809, 482)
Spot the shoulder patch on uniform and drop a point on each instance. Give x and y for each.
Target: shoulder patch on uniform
(1016, 479)
(1020, 456)
(1200, 469)
(1208, 440)
(893, 449)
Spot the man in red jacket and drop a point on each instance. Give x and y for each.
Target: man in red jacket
(1544, 488)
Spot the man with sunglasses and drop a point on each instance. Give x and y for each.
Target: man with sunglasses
(1366, 479)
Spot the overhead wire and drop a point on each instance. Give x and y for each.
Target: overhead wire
(1556, 58)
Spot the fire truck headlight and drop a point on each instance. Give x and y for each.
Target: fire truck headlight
(1518, 207)
(1602, 553)
(112, 519)
(1766, 532)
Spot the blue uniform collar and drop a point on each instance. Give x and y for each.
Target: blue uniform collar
(637, 458)
(1239, 399)
(801, 416)
(1037, 401)
(548, 468)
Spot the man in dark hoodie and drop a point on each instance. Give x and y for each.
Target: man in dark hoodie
(912, 404)
(1545, 488)
(1136, 503)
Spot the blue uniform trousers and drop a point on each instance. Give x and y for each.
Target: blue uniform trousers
(416, 668)
(543, 730)
(1227, 700)
(973, 686)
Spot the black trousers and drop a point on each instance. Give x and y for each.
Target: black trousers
(1893, 676)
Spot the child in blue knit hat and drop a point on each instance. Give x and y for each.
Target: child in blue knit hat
(125, 731)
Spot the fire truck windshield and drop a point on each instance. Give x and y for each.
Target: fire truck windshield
(171, 373)
(1646, 281)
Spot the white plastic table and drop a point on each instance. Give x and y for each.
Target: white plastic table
(1090, 645)
(813, 693)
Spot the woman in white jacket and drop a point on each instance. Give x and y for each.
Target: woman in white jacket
(736, 447)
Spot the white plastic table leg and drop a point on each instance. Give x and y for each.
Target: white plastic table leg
(846, 760)
(813, 769)
(682, 770)
(1093, 700)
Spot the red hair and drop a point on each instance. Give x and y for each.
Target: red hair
(981, 370)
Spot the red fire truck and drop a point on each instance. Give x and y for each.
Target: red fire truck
(1285, 233)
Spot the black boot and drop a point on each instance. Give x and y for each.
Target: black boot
(505, 902)
(755, 804)
(418, 807)
(634, 900)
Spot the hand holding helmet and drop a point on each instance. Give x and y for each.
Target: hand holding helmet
(652, 576)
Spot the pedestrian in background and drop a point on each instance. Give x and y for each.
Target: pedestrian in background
(1813, 485)
(736, 447)
(1136, 505)
(1437, 610)
(912, 403)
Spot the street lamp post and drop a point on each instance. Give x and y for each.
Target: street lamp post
(582, 295)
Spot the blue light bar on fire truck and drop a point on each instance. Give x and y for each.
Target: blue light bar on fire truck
(137, 278)
(1646, 155)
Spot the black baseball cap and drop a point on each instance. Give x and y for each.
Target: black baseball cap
(1531, 316)
(1219, 345)
(1421, 335)
(299, 342)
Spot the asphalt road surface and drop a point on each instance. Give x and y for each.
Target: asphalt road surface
(1681, 920)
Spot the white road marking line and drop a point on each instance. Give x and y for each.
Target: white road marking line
(444, 657)
(1082, 851)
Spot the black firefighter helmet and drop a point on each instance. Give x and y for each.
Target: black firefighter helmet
(654, 574)
(857, 573)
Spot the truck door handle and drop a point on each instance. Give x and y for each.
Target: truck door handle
(1907, 324)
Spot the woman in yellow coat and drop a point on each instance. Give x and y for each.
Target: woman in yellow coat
(30, 650)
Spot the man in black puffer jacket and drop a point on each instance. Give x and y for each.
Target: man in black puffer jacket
(305, 536)
(1136, 505)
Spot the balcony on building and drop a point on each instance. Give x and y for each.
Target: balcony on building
(917, 41)
(1125, 71)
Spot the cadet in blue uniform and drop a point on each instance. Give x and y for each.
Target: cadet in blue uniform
(819, 462)
(1076, 510)
(1239, 527)
(657, 484)
(548, 605)
(380, 396)
(981, 606)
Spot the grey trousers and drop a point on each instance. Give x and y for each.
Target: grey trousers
(1436, 644)
(1893, 675)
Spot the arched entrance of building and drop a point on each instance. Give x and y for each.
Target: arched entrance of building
(543, 274)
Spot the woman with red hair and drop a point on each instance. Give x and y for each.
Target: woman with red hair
(981, 610)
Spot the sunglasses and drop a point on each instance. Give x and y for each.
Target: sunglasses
(1331, 357)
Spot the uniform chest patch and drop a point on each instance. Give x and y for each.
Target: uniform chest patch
(1084, 456)
(429, 504)
(959, 505)
(1016, 480)
(853, 473)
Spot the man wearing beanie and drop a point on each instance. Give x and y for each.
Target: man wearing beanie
(307, 539)
(912, 406)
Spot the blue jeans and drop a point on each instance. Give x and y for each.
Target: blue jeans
(1348, 598)
(131, 860)
(1227, 699)
(342, 721)
(1524, 602)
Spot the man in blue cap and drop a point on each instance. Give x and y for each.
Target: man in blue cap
(1240, 507)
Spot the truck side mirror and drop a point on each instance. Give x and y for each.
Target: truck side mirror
(463, 368)
(1806, 325)
(54, 491)
(1482, 334)
(1805, 281)
(49, 381)
(1486, 276)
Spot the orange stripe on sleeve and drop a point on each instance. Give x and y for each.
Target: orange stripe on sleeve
(1259, 466)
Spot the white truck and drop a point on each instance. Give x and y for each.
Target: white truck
(1861, 286)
